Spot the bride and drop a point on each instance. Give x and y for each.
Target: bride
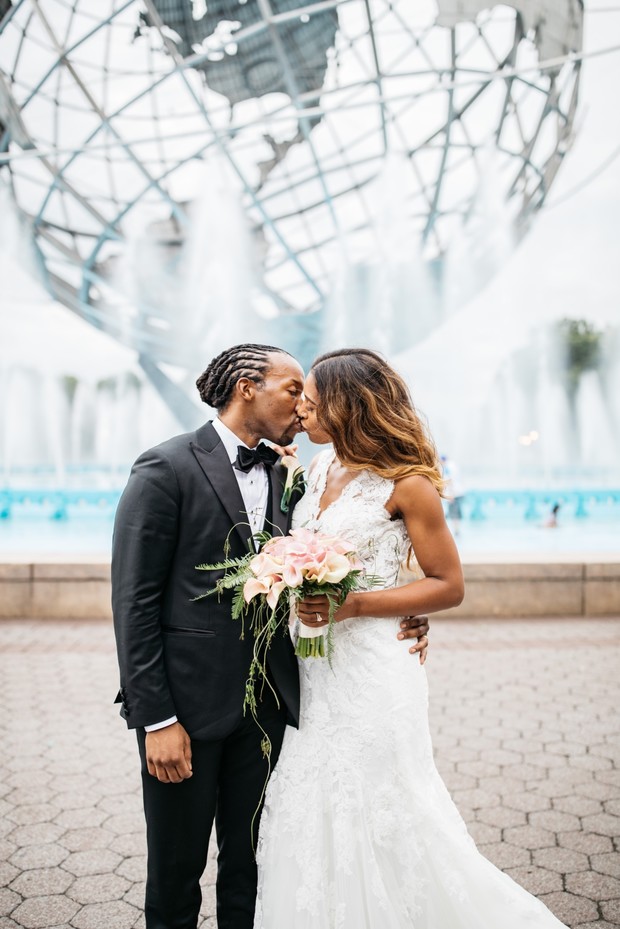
(358, 829)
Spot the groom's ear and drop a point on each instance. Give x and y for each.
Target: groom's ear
(245, 389)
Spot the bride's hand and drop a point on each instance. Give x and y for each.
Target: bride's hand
(283, 450)
(314, 611)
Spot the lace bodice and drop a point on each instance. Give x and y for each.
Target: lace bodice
(358, 515)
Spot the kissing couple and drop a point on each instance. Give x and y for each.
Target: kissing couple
(357, 829)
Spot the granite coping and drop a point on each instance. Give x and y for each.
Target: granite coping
(71, 567)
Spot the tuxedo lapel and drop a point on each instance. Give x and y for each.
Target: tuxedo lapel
(279, 521)
(211, 455)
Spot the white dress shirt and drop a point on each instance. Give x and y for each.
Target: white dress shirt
(254, 487)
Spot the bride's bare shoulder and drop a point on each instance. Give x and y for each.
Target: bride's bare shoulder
(417, 491)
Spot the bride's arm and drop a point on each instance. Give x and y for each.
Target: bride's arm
(419, 504)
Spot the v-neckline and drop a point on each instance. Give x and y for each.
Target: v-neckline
(322, 486)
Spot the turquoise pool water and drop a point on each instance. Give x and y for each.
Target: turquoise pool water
(496, 524)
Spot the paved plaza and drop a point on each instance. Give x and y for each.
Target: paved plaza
(525, 723)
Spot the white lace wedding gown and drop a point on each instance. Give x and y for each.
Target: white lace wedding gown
(358, 829)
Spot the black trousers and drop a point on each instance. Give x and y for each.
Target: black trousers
(226, 784)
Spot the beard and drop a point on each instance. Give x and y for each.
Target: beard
(289, 435)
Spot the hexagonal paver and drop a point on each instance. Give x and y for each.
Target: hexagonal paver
(550, 788)
(72, 783)
(591, 763)
(135, 895)
(607, 864)
(529, 837)
(537, 881)
(118, 914)
(120, 803)
(505, 856)
(611, 911)
(579, 806)
(602, 824)
(482, 834)
(570, 909)
(454, 780)
(593, 885)
(95, 861)
(129, 844)
(8, 873)
(42, 882)
(570, 749)
(501, 784)
(599, 924)
(475, 799)
(32, 813)
(612, 806)
(134, 869)
(478, 768)
(80, 800)
(8, 901)
(585, 842)
(607, 750)
(596, 790)
(125, 822)
(42, 912)
(7, 923)
(44, 833)
(99, 888)
(527, 802)
(562, 860)
(524, 771)
(509, 744)
(501, 816)
(81, 818)
(23, 779)
(554, 821)
(119, 786)
(78, 840)
(38, 856)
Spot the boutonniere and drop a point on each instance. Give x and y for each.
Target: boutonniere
(294, 480)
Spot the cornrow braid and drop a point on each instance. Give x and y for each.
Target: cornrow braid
(216, 384)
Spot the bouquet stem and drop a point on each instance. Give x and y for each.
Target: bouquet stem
(310, 647)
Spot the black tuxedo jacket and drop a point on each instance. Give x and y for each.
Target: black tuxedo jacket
(178, 656)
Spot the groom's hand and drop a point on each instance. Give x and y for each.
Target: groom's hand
(416, 627)
(169, 754)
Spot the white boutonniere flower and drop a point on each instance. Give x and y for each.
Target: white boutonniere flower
(294, 480)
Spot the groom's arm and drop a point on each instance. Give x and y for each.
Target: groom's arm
(416, 627)
(143, 546)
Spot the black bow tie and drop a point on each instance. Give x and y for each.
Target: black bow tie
(248, 457)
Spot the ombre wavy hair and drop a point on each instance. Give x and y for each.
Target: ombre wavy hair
(367, 410)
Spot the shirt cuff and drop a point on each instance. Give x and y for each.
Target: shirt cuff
(166, 722)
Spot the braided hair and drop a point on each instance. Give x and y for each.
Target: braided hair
(217, 383)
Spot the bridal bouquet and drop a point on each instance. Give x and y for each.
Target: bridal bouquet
(292, 567)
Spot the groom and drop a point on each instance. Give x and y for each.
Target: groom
(183, 665)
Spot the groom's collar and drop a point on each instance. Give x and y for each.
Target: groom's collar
(230, 441)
